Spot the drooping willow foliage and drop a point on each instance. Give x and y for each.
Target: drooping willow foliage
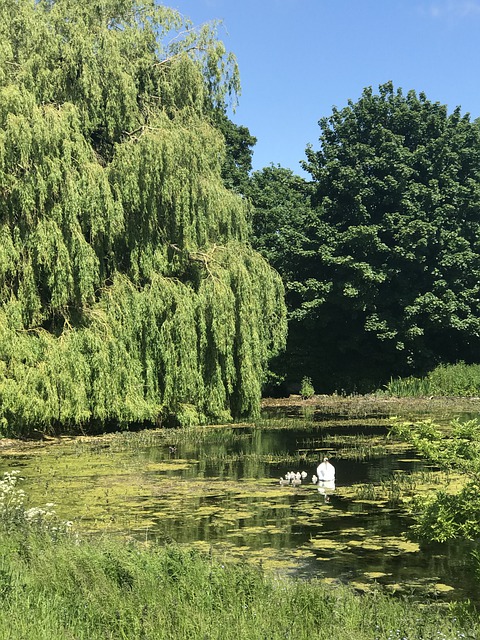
(128, 290)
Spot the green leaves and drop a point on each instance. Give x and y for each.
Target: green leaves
(127, 290)
(379, 253)
(397, 179)
(443, 516)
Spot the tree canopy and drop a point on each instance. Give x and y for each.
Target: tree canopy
(387, 279)
(128, 289)
(239, 150)
(285, 230)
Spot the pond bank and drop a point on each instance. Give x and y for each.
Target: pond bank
(323, 405)
(376, 404)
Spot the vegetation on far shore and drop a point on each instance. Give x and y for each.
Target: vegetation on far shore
(457, 380)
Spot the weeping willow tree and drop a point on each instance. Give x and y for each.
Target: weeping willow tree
(128, 290)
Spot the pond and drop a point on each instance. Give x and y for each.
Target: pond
(219, 488)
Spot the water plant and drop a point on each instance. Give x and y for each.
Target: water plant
(366, 492)
(393, 490)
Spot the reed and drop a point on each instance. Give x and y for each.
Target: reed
(137, 440)
(459, 379)
(367, 492)
(393, 490)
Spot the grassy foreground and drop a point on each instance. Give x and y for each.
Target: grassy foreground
(85, 590)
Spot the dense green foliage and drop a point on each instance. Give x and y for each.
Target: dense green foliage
(384, 259)
(445, 380)
(306, 388)
(239, 150)
(127, 289)
(444, 516)
(285, 231)
(398, 182)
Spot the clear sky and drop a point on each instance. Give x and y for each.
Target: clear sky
(298, 58)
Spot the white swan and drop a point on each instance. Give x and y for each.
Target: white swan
(326, 479)
(326, 471)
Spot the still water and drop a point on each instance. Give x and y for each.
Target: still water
(219, 489)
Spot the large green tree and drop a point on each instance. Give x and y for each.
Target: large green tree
(397, 178)
(387, 279)
(128, 291)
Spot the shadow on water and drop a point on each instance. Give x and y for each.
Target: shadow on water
(222, 492)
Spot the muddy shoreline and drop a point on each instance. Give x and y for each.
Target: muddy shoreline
(374, 403)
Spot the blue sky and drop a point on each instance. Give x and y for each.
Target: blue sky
(298, 58)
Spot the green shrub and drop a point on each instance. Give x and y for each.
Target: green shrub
(306, 388)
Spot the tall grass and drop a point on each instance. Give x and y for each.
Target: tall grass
(445, 380)
(114, 590)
